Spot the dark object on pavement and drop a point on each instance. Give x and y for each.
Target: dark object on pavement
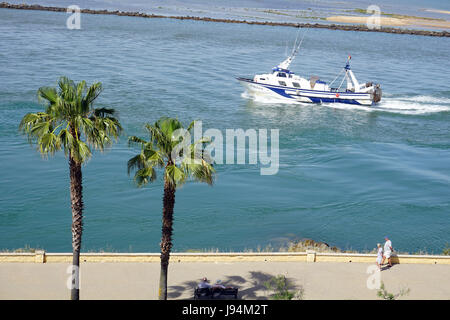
(215, 293)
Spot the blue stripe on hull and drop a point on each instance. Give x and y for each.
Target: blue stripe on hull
(315, 99)
(334, 100)
(281, 91)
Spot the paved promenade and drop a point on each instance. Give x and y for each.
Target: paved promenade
(320, 280)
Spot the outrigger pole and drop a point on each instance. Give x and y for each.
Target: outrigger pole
(352, 83)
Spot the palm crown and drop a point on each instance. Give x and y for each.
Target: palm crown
(170, 147)
(70, 117)
(163, 150)
(71, 123)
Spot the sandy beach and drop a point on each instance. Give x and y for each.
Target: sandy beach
(438, 11)
(394, 22)
(140, 280)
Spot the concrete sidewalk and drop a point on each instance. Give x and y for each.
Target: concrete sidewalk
(326, 280)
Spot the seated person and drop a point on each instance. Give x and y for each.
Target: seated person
(204, 284)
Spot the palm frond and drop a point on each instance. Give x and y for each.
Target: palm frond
(136, 163)
(80, 88)
(144, 176)
(32, 119)
(153, 157)
(157, 152)
(67, 90)
(156, 135)
(69, 119)
(200, 170)
(134, 140)
(48, 94)
(191, 125)
(66, 139)
(197, 153)
(40, 128)
(144, 162)
(175, 176)
(111, 126)
(104, 112)
(92, 93)
(80, 151)
(49, 143)
(168, 125)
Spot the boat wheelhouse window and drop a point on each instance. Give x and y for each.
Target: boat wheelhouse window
(282, 83)
(296, 84)
(262, 78)
(282, 74)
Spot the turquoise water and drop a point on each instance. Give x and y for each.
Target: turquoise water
(348, 176)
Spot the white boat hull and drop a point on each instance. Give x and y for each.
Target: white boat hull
(304, 95)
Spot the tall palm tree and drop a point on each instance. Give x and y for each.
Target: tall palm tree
(72, 124)
(163, 150)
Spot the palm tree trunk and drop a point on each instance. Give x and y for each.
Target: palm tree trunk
(76, 198)
(166, 239)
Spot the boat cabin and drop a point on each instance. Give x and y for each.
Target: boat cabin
(286, 78)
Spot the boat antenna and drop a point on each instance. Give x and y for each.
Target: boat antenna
(285, 64)
(300, 44)
(295, 43)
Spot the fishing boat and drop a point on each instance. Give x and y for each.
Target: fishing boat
(286, 85)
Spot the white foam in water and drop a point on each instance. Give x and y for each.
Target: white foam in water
(427, 99)
(413, 105)
(403, 105)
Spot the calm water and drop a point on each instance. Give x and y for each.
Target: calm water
(348, 175)
(262, 10)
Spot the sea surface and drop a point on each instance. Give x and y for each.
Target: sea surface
(348, 175)
(312, 11)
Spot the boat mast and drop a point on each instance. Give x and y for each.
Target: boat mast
(286, 63)
(352, 83)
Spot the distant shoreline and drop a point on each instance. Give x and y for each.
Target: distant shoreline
(362, 28)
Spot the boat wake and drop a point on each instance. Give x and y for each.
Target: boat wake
(417, 105)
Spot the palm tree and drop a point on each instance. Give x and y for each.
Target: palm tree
(164, 150)
(71, 123)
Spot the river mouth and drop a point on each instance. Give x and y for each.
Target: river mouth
(347, 176)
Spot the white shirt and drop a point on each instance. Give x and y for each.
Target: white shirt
(380, 252)
(387, 246)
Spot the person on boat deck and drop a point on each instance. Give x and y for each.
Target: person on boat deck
(387, 251)
(204, 284)
(379, 255)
